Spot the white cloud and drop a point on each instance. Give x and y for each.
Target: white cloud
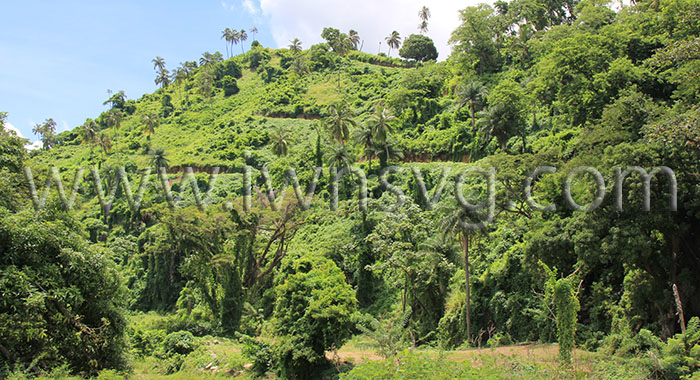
(227, 6)
(373, 20)
(11, 127)
(33, 146)
(250, 7)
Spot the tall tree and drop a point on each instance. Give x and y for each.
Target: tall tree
(454, 222)
(254, 31)
(163, 78)
(364, 136)
(339, 121)
(150, 122)
(88, 133)
(424, 15)
(158, 63)
(280, 141)
(394, 41)
(159, 158)
(295, 46)
(226, 36)
(105, 142)
(471, 92)
(354, 38)
(381, 120)
(242, 37)
(46, 132)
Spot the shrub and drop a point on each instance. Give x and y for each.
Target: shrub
(230, 85)
(312, 314)
(180, 342)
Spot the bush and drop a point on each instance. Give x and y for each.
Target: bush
(181, 342)
(230, 85)
(312, 314)
(258, 352)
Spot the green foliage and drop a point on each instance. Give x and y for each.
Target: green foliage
(566, 306)
(259, 352)
(418, 48)
(312, 314)
(63, 297)
(230, 86)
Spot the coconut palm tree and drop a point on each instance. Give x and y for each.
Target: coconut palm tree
(339, 121)
(354, 38)
(158, 63)
(47, 133)
(242, 37)
(295, 46)
(318, 126)
(494, 123)
(380, 122)
(180, 74)
(254, 31)
(423, 27)
(364, 136)
(105, 142)
(387, 150)
(453, 223)
(159, 158)
(163, 78)
(226, 36)
(233, 39)
(280, 141)
(113, 118)
(471, 92)
(88, 133)
(424, 15)
(150, 122)
(339, 157)
(394, 41)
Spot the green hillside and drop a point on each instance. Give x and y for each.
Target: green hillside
(436, 260)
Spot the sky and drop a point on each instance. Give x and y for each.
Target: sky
(58, 59)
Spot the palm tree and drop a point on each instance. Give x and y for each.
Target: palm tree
(242, 37)
(319, 154)
(295, 46)
(280, 141)
(105, 142)
(113, 118)
(233, 39)
(88, 133)
(380, 122)
(180, 74)
(354, 38)
(424, 15)
(387, 150)
(47, 133)
(226, 36)
(150, 122)
(163, 78)
(339, 157)
(298, 66)
(494, 124)
(453, 223)
(423, 27)
(254, 31)
(471, 92)
(339, 120)
(158, 63)
(364, 136)
(394, 41)
(159, 158)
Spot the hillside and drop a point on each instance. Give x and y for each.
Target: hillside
(492, 199)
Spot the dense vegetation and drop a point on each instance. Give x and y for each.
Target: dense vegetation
(561, 83)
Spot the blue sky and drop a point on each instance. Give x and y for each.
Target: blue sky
(57, 59)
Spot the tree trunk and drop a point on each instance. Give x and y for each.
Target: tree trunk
(465, 243)
(471, 108)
